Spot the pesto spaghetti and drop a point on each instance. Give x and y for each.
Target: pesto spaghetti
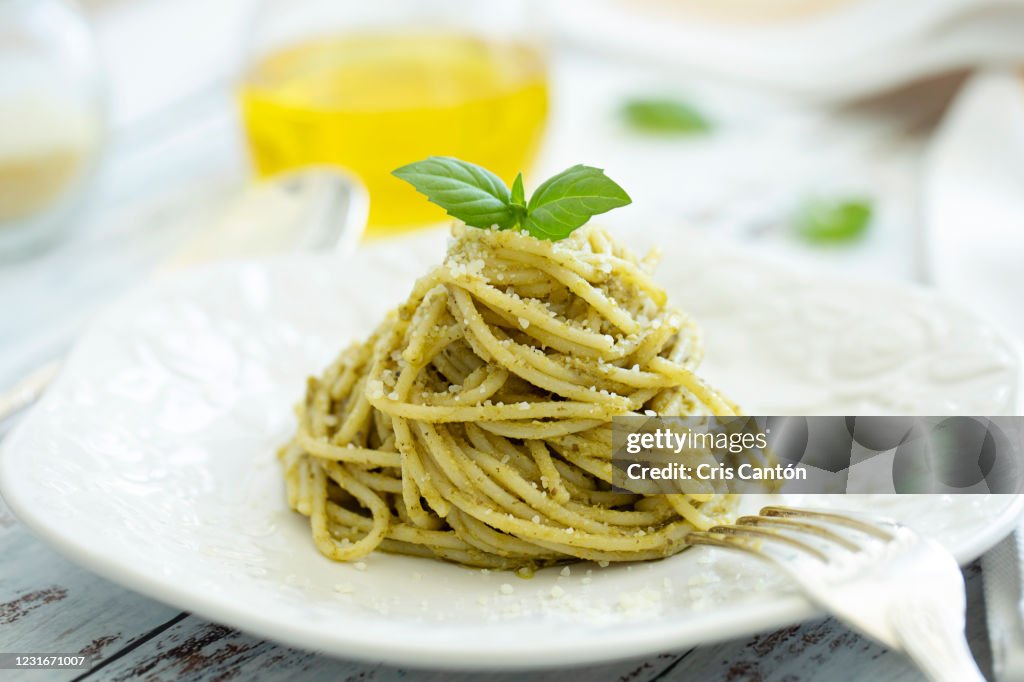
(474, 424)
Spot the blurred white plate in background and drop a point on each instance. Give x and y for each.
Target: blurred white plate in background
(973, 204)
(151, 461)
(845, 50)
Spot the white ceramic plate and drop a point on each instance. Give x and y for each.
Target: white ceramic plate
(151, 461)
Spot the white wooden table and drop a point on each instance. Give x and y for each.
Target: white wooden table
(737, 183)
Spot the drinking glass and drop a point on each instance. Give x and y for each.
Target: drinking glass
(50, 119)
(371, 86)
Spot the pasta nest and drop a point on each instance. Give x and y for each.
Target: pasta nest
(474, 424)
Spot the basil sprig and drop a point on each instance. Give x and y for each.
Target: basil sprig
(479, 198)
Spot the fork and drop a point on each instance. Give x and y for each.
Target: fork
(879, 577)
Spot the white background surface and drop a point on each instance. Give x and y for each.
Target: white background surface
(176, 149)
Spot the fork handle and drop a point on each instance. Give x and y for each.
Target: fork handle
(935, 640)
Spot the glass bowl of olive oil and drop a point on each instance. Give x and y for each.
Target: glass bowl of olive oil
(371, 86)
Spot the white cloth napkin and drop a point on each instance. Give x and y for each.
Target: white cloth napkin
(972, 205)
(852, 50)
(1003, 568)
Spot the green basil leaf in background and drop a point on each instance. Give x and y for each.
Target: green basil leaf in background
(474, 195)
(832, 220)
(568, 200)
(665, 116)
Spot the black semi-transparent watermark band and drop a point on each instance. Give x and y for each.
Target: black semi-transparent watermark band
(833, 455)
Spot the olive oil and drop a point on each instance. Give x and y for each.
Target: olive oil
(372, 103)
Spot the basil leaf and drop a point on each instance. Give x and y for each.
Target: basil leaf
(474, 195)
(479, 198)
(519, 200)
(821, 220)
(518, 193)
(569, 199)
(665, 116)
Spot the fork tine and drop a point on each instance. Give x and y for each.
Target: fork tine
(901, 574)
(840, 519)
(701, 537)
(770, 535)
(800, 527)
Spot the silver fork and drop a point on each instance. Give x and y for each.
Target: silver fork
(879, 577)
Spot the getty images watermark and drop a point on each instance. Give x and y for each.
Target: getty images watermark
(653, 455)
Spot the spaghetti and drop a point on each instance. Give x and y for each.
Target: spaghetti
(474, 425)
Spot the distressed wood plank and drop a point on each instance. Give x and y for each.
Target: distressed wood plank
(203, 651)
(198, 650)
(49, 605)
